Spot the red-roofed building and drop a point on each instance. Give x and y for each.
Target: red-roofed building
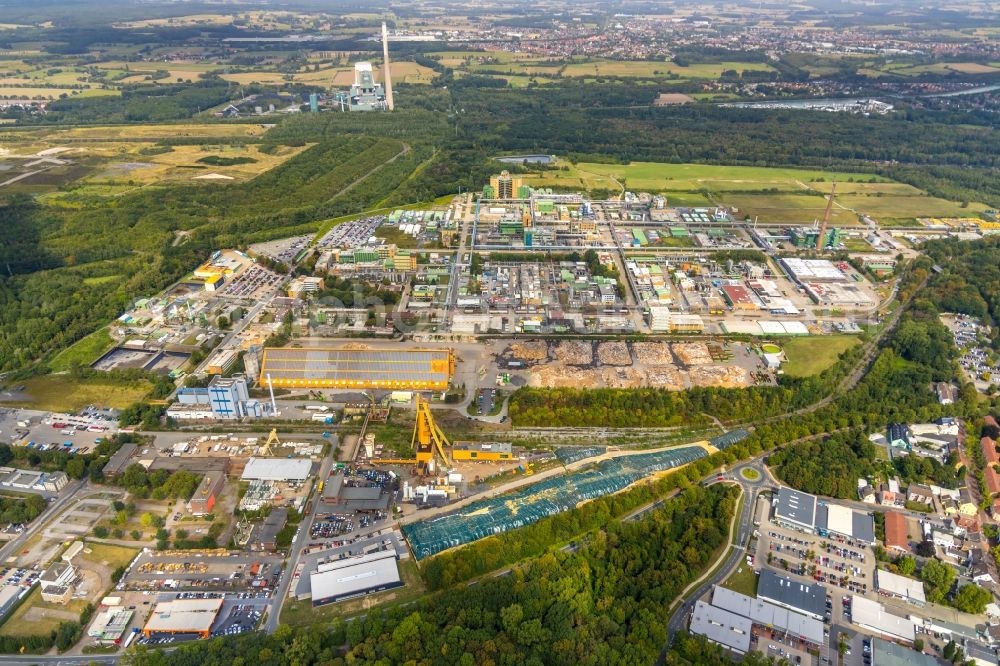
(992, 480)
(990, 421)
(989, 450)
(895, 532)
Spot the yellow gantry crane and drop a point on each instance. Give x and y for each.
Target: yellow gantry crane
(428, 437)
(267, 450)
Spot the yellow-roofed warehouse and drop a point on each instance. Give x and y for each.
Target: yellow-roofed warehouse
(415, 369)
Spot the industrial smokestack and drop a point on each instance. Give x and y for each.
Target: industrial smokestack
(385, 63)
(270, 386)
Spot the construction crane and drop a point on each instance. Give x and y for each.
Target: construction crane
(428, 437)
(821, 241)
(267, 450)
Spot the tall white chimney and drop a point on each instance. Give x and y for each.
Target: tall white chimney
(274, 405)
(385, 63)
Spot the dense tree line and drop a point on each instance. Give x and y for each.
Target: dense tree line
(827, 466)
(158, 484)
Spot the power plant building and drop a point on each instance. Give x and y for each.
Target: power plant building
(416, 369)
(366, 95)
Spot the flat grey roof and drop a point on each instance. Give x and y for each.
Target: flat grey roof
(277, 469)
(354, 575)
(809, 598)
(268, 530)
(354, 493)
(721, 626)
(845, 522)
(886, 653)
(797, 507)
(874, 616)
(765, 613)
(184, 615)
(908, 588)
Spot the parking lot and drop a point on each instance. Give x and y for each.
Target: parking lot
(255, 282)
(284, 250)
(239, 616)
(354, 233)
(73, 433)
(824, 560)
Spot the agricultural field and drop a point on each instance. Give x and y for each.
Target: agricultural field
(649, 69)
(787, 195)
(788, 208)
(340, 77)
(888, 207)
(657, 177)
(521, 64)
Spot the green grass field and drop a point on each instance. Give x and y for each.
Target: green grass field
(814, 354)
(662, 177)
(35, 617)
(84, 351)
(743, 580)
(792, 196)
(108, 555)
(62, 393)
(790, 208)
(893, 206)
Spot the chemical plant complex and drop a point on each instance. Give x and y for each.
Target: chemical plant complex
(392, 332)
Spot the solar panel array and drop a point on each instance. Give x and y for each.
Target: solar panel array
(548, 497)
(357, 365)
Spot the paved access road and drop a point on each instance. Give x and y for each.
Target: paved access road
(743, 529)
(295, 552)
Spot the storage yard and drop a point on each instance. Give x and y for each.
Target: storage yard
(673, 366)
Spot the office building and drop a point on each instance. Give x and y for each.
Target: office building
(506, 186)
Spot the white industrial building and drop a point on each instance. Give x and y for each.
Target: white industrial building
(873, 616)
(110, 623)
(353, 577)
(900, 587)
(813, 270)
